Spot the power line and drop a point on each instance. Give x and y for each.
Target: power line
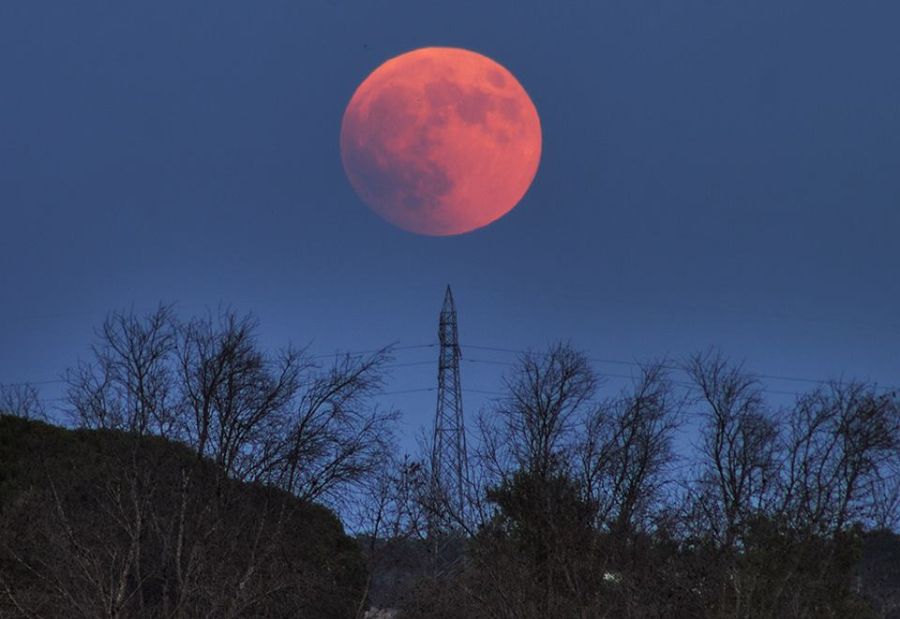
(34, 382)
(350, 353)
(356, 353)
(664, 366)
(407, 365)
(509, 364)
(421, 390)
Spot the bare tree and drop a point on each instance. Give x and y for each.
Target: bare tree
(549, 394)
(335, 439)
(236, 399)
(739, 447)
(129, 385)
(21, 400)
(625, 451)
(280, 420)
(842, 445)
(777, 507)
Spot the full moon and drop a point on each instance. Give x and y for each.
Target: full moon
(440, 141)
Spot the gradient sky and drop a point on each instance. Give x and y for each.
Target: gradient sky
(713, 174)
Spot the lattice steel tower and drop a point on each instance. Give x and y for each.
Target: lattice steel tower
(449, 465)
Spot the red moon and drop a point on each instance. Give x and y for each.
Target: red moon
(440, 141)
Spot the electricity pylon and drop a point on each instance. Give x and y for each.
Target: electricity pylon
(449, 464)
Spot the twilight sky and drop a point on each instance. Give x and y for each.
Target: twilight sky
(713, 174)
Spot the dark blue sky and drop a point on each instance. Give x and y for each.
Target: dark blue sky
(713, 174)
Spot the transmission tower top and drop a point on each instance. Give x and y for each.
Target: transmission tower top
(447, 330)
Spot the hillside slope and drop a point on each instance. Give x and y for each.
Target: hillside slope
(99, 523)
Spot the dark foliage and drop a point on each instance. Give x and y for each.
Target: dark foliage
(102, 523)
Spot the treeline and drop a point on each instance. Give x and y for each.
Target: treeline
(580, 506)
(100, 523)
(686, 495)
(192, 484)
